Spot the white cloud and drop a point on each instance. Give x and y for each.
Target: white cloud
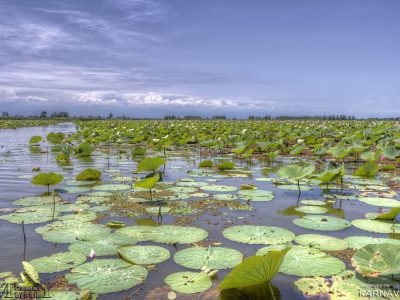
(33, 37)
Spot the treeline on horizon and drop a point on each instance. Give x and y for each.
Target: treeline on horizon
(67, 116)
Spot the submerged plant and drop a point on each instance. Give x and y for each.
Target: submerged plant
(47, 179)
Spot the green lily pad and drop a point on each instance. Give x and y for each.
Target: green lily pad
(294, 187)
(346, 285)
(306, 261)
(188, 282)
(277, 247)
(144, 255)
(358, 242)
(312, 209)
(313, 202)
(256, 195)
(74, 189)
(250, 234)
(375, 225)
(105, 246)
(322, 242)
(379, 201)
(155, 210)
(172, 234)
(103, 276)
(70, 232)
(377, 259)
(82, 216)
(182, 189)
(68, 295)
(29, 217)
(215, 258)
(58, 262)
(140, 233)
(31, 201)
(224, 197)
(325, 223)
(112, 187)
(218, 188)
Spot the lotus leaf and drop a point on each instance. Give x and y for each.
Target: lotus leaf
(58, 262)
(70, 232)
(357, 242)
(106, 246)
(306, 261)
(379, 201)
(377, 259)
(188, 282)
(312, 209)
(89, 174)
(325, 223)
(214, 258)
(172, 234)
(151, 163)
(144, 255)
(103, 276)
(374, 225)
(112, 187)
(254, 270)
(218, 188)
(250, 234)
(322, 242)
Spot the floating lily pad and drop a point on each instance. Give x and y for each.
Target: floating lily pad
(312, 209)
(375, 225)
(294, 187)
(29, 217)
(58, 262)
(250, 234)
(357, 242)
(325, 223)
(104, 276)
(218, 188)
(256, 195)
(377, 259)
(214, 258)
(277, 247)
(69, 232)
(140, 233)
(112, 187)
(306, 261)
(313, 202)
(82, 216)
(155, 210)
(188, 282)
(172, 234)
(182, 189)
(144, 255)
(224, 197)
(31, 201)
(74, 189)
(346, 285)
(322, 242)
(105, 246)
(379, 201)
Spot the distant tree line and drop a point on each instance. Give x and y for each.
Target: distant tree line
(65, 115)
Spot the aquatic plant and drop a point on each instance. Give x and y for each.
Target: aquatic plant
(47, 179)
(89, 174)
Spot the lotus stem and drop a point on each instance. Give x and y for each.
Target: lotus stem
(23, 233)
(54, 206)
(271, 290)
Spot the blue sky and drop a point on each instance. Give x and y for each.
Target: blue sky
(148, 58)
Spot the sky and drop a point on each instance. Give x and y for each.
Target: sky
(150, 58)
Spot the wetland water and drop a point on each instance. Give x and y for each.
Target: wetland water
(17, 161)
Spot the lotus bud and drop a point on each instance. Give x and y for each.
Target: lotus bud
(92, 254)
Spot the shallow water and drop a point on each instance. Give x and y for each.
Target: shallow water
(16, 160)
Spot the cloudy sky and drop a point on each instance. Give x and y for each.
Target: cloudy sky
(147, 58)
